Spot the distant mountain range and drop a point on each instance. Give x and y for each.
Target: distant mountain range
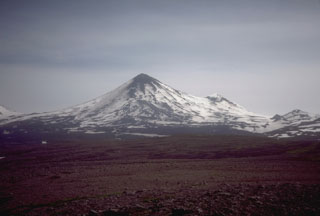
(144, 106)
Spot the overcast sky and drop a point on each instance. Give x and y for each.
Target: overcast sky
(263, 55)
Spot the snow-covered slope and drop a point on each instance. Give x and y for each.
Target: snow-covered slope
(293, 117)
(145, 105)
(5, 113)
(146, 101)
(295, 123)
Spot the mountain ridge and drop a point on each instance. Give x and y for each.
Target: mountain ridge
(6, 112)
(145, 105)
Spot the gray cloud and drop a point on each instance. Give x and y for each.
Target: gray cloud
(263, 54)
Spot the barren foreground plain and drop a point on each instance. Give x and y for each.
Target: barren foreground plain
(178, 175)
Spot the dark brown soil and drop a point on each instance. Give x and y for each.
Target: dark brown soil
(168, 176)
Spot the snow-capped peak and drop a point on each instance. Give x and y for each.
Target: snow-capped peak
(5, 112)
(145, 99)
(143, 79)
(297, 112)
(214, 95)
(294, 115)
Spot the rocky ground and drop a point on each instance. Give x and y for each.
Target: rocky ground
(201, 176)
(242, 199)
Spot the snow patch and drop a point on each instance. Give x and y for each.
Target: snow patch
(94, 132)
(136, 126)
(284, 136)
(146, 135)
(311, 130)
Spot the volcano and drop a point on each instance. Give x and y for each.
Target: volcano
(144, 106)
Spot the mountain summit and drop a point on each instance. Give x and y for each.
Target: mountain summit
(144, 105)
(144, 79)
(141, 82)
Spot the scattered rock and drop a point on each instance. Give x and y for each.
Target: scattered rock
(115, 212)
(140, 206)
(180, 212)
(199, 210)
(279, 199)
(93, 213)
(55, 177)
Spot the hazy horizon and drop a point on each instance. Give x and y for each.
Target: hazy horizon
(263, 55)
